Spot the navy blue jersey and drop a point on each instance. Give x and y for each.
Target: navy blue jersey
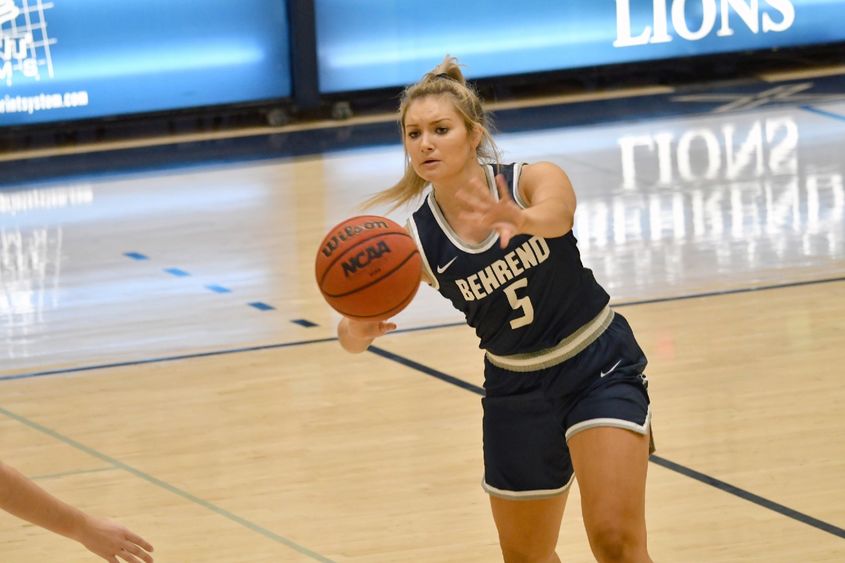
(520, 299)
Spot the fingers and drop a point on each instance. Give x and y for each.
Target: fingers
(504, 189)
(480, 201)
(384, 327)
(138, 540)
(129, 558)
(506, 232)
(133, 552)
(369, 329)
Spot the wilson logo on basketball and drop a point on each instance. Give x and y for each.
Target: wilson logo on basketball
(364, 257)
(347, 233)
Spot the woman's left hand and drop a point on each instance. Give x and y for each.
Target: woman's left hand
(503, 216)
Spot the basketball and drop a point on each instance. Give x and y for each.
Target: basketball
(368, 268)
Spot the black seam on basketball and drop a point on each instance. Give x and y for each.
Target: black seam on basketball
(385, 276)
(395, 308)
(362, 241)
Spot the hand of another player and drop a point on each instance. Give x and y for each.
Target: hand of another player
(504, 216)
(111, 540)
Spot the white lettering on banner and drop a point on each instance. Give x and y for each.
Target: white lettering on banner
(24, 42)
(750, 12)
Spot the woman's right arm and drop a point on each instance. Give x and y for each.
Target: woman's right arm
(356, 336)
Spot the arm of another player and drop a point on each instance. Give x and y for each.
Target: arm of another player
(23, 498)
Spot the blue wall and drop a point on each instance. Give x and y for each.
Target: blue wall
(113, 57)
(65, 60)
(364, 44)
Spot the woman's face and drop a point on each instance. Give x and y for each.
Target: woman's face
(436, 138)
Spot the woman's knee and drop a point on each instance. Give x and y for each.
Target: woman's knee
(528, 553)
(616, 542)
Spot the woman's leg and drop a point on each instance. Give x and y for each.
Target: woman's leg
(528, 529)
(610, 466)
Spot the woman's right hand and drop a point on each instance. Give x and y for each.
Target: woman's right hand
(356, 336)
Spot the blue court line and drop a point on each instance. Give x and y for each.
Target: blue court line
(135, 256)
(823, 112)
(166, 486)
(678, 468)
(304, 322)
(751, 497)
(218, 288)
(177, 272)
(399, 331)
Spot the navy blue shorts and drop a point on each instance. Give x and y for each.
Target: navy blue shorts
(529, 416)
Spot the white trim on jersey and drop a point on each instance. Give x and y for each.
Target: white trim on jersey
(412, 228)
(517, 171)
(565, 349)
(453, 237)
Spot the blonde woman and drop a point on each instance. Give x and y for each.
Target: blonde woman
(565, 393)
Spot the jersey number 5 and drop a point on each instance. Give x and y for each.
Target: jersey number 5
(517, 303)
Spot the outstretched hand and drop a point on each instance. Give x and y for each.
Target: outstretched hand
(483, 210)
(111, 540)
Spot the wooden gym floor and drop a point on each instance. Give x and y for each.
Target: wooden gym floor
(168, 361)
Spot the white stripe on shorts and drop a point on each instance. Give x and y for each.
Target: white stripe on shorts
(526, 495)
(612, 423)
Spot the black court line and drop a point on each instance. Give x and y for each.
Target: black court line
(703, 478)
(663, 462)
(743, 494)
(729, 292)
(399, 331)
(164, 359)
(661, 300)
(426, 370)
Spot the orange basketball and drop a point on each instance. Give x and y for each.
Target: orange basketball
(368, 268)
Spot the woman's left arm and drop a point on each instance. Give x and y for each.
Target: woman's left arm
(547, 193)
(550, 198)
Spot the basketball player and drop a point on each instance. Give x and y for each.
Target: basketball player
(23, 498)
(565, 393)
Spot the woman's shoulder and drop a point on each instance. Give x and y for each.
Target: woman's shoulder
(542, 168)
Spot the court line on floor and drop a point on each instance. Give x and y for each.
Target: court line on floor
(166, 486)
(749, 496)
(164, 359)
(72, 473)
(824, 113)
(656, 300)
(663, 462)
